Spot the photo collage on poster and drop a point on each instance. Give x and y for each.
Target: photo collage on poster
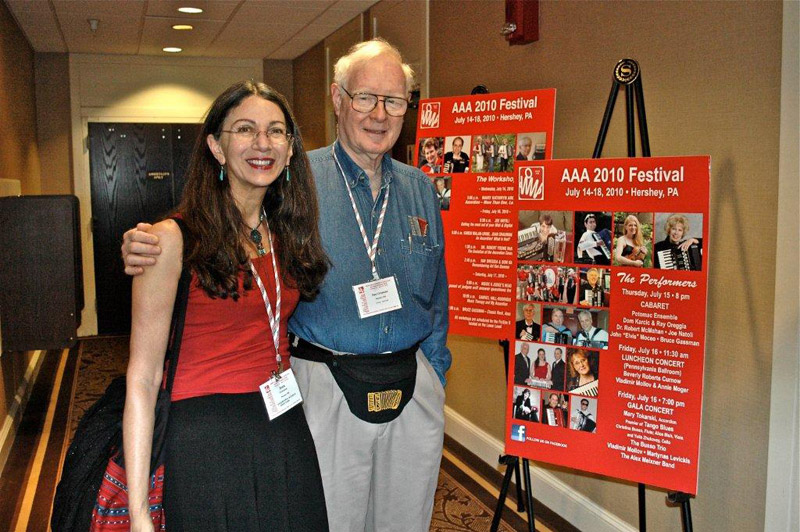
(563, 298)
(443, 158)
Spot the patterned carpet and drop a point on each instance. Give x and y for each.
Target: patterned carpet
(461, 505)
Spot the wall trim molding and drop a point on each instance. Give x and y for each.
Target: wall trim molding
(582, 512)
(8, 431)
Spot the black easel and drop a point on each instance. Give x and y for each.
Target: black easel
(512, 464)
(627, 73)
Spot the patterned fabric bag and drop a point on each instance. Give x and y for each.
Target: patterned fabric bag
(93, 493)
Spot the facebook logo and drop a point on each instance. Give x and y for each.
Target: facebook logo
(518, 432)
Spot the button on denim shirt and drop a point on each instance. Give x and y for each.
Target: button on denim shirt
(414, 258)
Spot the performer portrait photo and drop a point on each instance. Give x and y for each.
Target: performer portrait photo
(589, 335)
(584, 416)
(593, 291)
(679, 250)
(583, 372)
(443, 192)
(528, 327)
(544, 236)
(554, 410)
(430, 156)
(526, 403)
(456, 160)
(633, 232)
(594, 241)
(554, 331)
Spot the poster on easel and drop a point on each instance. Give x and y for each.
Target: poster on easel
(471, 147)
(607, 366)
(591, 267)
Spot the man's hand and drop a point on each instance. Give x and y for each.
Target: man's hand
(139, 249)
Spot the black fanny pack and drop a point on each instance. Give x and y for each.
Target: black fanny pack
(376, 387)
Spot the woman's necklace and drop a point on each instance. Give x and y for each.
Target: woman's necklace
(255, 236)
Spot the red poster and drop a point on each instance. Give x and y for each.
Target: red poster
(594, 267)
(471, 147)
(607, 370)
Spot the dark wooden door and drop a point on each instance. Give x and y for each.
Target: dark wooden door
(136, 176)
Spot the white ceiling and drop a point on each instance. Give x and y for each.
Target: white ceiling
(271, 29)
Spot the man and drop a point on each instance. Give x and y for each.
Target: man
(594, 246)
(522, 365)
(527, 328)
(555, 331)
(432, 163)
(558, 372)
(592, 293)
(525, 145)
(376, 476)
(582, 420)
(456, 161)
(552, 412)
(589, 335)
(491, 153)
(442, 193)
(504, 151)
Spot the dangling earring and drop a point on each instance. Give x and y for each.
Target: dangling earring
(288, 175)
(221, 173)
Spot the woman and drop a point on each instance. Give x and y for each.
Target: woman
(631, 250)
(582, 373)
(477, 153)
(251, 218)
(523, 409)
(676, 228)
(541, 369)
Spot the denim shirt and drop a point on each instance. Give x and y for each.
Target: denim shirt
(415, 260)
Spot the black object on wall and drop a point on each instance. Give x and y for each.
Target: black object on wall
(41, 285)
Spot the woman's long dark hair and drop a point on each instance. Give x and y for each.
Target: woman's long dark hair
(214, 249)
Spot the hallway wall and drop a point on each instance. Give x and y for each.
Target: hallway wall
(19, 151)
(711, 73)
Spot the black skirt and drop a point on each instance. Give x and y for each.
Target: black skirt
(229, 468)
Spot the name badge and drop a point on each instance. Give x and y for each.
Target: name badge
(377, 297)
(280, 394)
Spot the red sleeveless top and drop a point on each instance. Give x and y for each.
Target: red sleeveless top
(227, 345)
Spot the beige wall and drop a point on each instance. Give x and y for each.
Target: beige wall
(278, 74)
(19, 160)
(711, 75)
(19, 153)
(53, 122)
(310, 93)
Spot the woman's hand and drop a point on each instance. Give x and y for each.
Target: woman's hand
(141, 521)
(139, 248)
(686, 244)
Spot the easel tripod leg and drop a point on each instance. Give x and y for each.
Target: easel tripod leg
(511, 462)
(526, 473)
(518, 482)
(642, 510)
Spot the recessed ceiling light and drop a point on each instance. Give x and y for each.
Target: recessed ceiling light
(192, 10)
(172, 49)
(182, 27)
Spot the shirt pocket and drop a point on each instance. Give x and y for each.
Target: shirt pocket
(421, 259)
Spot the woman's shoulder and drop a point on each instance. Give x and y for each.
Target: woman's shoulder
(170, 238)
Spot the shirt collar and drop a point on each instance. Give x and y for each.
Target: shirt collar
(354, 174)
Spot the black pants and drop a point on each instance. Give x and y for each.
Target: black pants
(229, 468)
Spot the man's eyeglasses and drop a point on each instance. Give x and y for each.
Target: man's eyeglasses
(276, 135)
(364, 102)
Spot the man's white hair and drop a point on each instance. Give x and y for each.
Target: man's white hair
(365, 51)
